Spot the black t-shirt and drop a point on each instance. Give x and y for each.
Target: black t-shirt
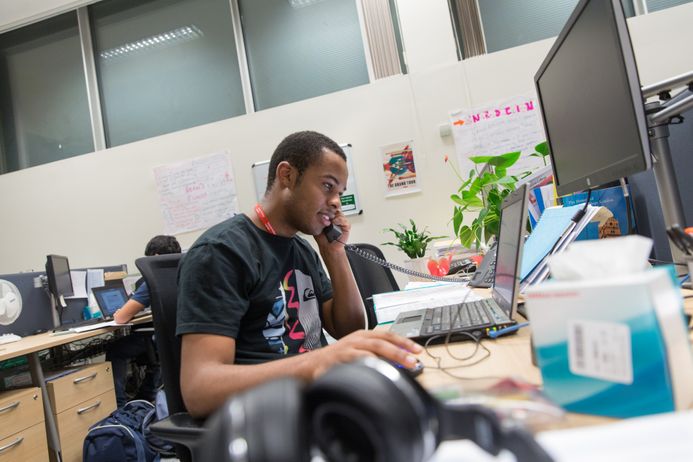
(265, 291)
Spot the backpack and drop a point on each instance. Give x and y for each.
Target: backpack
(119, 437)
(159, 411)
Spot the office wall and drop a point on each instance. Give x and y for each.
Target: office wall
(101, 208)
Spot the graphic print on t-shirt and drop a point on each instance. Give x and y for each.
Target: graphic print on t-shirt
(301, 315)
(275, 328)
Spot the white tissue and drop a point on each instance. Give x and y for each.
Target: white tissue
(597, 259)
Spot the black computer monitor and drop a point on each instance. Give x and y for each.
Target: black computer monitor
(591, 101)
(58, 274)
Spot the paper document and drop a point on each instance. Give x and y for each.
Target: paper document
(79, 284)
(388, 305)
(98, 325)
(665, 437)
(95, 279)
(129, 283)
(658, 437)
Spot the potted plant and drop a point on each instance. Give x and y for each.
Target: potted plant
(414, 243)
(483, 192)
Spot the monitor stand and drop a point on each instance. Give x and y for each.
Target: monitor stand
(54, 311)
(659, 115)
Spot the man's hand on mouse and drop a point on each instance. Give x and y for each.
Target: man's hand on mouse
(386, 345)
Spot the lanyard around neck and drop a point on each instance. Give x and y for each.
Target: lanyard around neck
(263, 218)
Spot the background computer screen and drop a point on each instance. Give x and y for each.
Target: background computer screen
(590, 99)
(58, 274)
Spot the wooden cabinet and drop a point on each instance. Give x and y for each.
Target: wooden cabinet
(79, 400)
(22, 428)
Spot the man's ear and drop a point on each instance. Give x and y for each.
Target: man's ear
(286, 174)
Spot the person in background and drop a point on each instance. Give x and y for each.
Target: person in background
(253, 297)
(130, 347)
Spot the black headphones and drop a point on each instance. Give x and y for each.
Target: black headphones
(365, 411)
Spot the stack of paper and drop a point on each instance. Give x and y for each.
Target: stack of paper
(553, 233)
(388, 305)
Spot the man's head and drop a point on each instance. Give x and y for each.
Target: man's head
(301, 150)
(161, 245)
(307, 175)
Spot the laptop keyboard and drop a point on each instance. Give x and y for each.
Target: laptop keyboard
(455, 317)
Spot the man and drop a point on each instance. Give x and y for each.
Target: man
(252, 294)
(130, 347)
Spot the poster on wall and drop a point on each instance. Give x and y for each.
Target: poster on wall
(399, 169)
(510, 125)
(350, 198)
(196, 193)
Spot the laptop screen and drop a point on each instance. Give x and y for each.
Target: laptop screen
(110, 299)
(509, 251)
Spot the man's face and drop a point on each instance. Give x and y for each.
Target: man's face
(315, 197)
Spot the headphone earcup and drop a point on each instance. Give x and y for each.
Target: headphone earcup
(370, 411)
(265, 423)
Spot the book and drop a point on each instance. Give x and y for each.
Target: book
(611, 198)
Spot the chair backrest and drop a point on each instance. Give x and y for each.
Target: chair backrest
(161, 274)
(371, 278)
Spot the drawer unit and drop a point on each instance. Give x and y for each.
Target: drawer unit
(79, 400)
(71, 389)
(74, 423)
(28, 445)
(22, 428)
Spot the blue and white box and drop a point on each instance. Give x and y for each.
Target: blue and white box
(615, 346)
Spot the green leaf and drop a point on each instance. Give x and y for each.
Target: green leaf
(471, 199)
(457, 220)
(505, 160)
(542, 148)
(480, 159)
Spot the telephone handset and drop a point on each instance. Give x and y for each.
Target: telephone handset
(486, 272)
(332, 232)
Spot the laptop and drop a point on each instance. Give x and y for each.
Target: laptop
(482, 316)
(110, 299)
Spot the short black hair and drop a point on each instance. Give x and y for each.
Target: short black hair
(301, 150)
(162, 245)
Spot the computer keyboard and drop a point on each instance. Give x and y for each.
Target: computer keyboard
(9, 338)
(451, 317)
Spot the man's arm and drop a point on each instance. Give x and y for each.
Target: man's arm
(128, 311)
(345, 312)
(208, 376)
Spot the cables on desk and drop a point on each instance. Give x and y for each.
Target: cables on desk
(448, 339)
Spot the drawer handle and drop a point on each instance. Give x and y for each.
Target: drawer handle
(89, 408)
(85, 379)
(12, 444)
(9, 406)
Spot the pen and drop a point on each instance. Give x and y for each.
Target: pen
(507, 330)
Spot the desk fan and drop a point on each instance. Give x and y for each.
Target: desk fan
(10, 302)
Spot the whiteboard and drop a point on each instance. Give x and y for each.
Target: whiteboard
(350, 199)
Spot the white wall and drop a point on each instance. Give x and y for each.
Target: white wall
(112, 197)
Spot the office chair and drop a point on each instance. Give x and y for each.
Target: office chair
(371, 278)
(161, 274)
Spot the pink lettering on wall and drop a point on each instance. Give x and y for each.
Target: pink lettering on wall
(505, 111)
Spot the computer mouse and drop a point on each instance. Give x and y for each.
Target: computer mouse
(413, 371)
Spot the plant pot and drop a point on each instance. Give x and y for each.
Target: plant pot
(417, 264)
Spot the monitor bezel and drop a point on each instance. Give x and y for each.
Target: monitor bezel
(633, 164)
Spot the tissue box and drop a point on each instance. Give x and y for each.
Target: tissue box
(616, 346)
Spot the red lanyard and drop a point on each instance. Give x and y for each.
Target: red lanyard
(263, 218)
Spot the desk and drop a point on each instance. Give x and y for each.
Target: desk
(510, 357)
(30, 346)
